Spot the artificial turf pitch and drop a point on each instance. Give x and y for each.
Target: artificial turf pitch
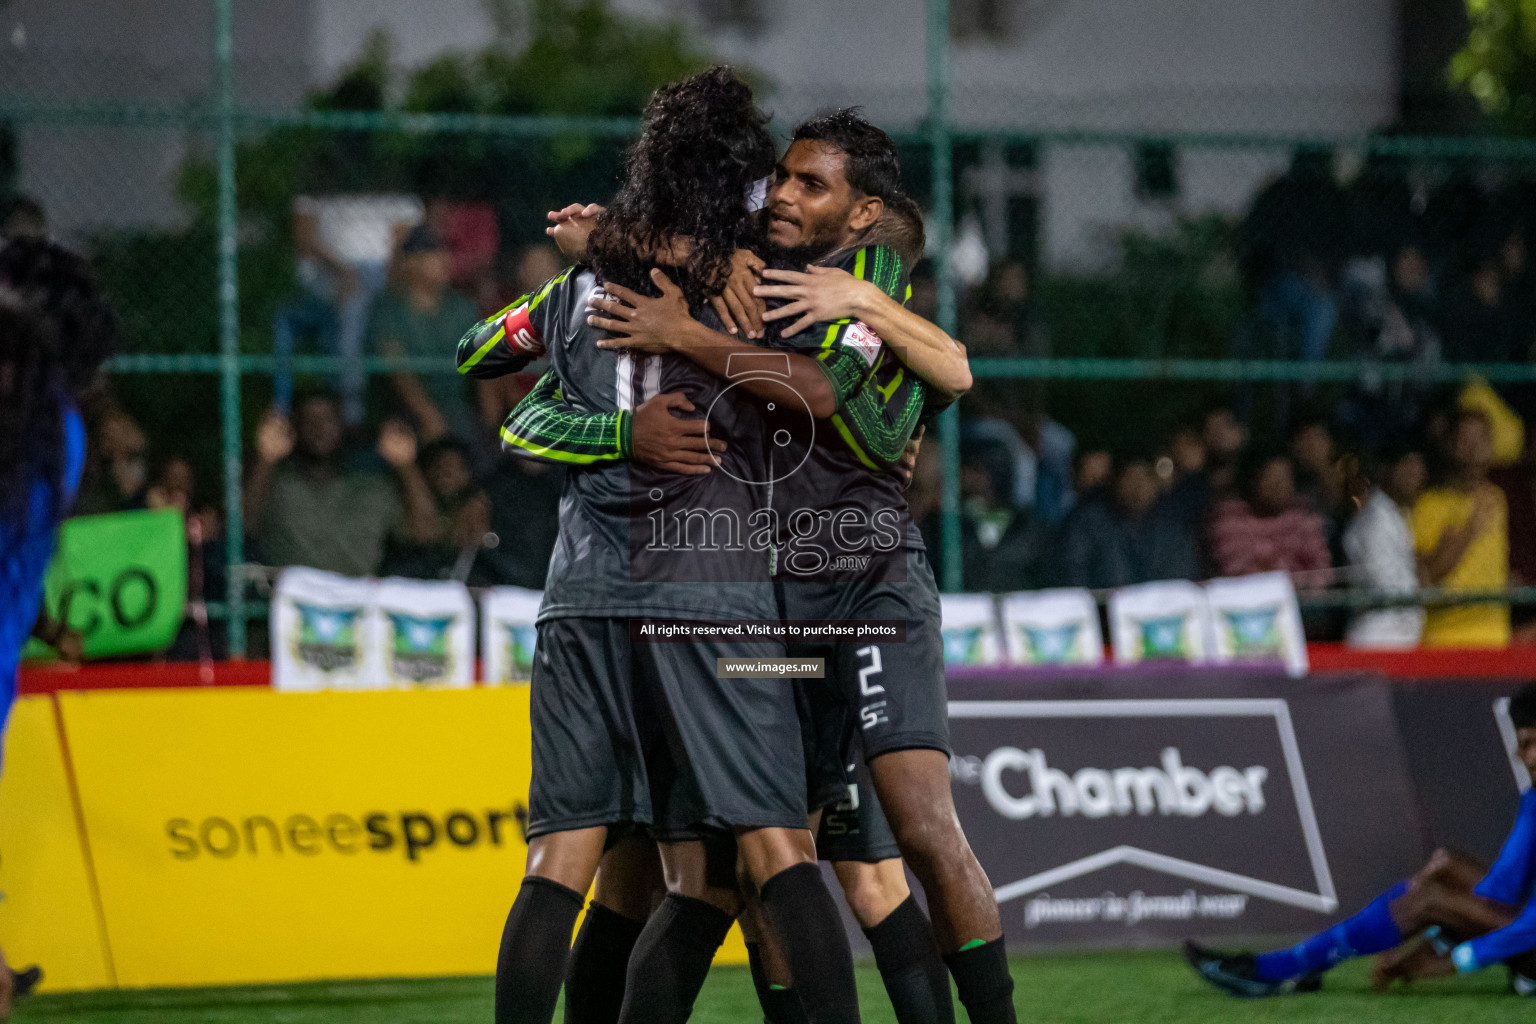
(1097, 988)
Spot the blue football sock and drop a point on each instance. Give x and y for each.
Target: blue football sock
(1370, 931)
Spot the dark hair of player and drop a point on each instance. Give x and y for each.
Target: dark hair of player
(62, 288)
(871, 167)
(901, 227)
(33, 394)
(702, 146)
(1522, 707)
(55, 329)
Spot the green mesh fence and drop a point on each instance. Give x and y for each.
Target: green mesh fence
(1110, 268)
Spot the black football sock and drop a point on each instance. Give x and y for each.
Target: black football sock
(594, 979)
(982, 979)
(803, 917)
(780, 1003)
(534, 947)
(669, 963)
(910, 965)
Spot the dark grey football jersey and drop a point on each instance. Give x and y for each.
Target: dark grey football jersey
(842, 509)
(635, 541)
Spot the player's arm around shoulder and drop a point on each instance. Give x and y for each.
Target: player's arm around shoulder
(869, 287)
(544, 426)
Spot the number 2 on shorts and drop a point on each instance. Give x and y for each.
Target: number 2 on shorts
(873, 712)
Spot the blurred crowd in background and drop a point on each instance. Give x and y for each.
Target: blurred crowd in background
(1384, 486)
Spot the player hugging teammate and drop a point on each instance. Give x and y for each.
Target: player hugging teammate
(802, 454)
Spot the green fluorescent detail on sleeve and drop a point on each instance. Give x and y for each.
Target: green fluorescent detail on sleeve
(847, 436)
(484, 350)
(544, 451)
(543, 426)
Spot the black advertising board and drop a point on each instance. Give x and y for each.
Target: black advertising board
(1134, 807)
(1460, 746)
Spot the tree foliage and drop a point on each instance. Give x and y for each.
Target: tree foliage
(1497, 66)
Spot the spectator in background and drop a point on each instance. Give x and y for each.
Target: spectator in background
(343, 246)
(422, 316)
(1319, 475)
(1378, 546)
(1188, 488)
(525, 517)
(1001, 320)
(461, 516)
(1410, 323)
(117, 476)
(1518, 482)
(1225, 438)
(1290, 247)
(1001, 546)
(1519, 290)
(1399, 322)
(989, 428)
(1268, 528)
(1479, 325)
(1128, 535)
(24, 218)
(536, 264)
(1461, 534)
(470, 234)
(174, 485)
(1093, 472)
(306, 506)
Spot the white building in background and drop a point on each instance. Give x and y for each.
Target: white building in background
(1269, 67)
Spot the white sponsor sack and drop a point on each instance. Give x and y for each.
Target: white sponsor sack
(1169, 621)
(1257, 619)
(1052, 627)
(971, 636)
(322, 630)
(507, 634)
(426, 634)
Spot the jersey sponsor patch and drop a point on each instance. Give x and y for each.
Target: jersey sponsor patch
(861, 338)
(521, 335)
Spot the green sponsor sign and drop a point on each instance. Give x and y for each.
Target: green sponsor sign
(121, 580)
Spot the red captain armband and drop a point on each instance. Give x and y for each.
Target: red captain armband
(521, 335)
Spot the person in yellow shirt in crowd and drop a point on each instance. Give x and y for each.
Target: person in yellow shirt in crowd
(1461, 536)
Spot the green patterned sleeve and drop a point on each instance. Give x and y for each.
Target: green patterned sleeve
(878, 407)
(544, 427)
(878, 402)
(509, 340)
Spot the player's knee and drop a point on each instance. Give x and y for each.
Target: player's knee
(928, 840)
(1447, 867)
(872, 890)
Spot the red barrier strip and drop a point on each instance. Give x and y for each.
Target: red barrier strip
(143, 675)
(1429, 663)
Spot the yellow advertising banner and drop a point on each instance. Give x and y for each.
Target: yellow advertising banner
(248, 836)
(47, 913)
(244, 836)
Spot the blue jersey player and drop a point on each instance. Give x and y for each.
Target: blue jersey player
(1464, 918)
(54, 331)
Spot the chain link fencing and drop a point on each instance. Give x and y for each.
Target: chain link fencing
(1121, 266)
